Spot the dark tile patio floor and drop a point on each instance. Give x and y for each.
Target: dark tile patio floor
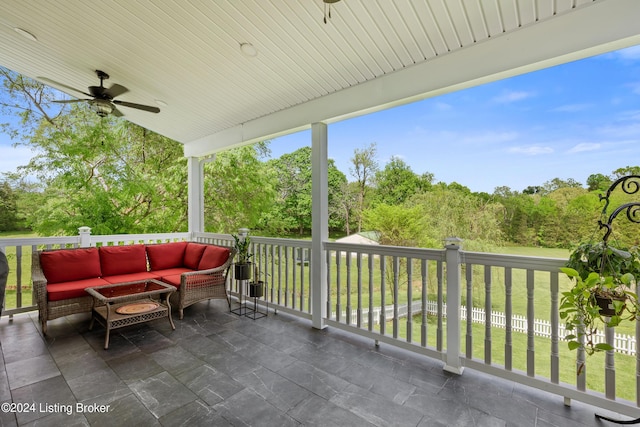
(220, 369)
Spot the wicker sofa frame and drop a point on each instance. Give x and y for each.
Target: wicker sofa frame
(203, 285)
(194, 287)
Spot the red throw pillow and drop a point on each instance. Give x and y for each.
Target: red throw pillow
(166, 255)
(67, 265)
(116, 260)
(193, 254)
(213, 256)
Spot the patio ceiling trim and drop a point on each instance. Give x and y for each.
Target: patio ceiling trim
(602, 27)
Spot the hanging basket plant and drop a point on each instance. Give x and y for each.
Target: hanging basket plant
(604, 279)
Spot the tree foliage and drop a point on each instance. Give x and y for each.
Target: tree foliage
(363, 169)
(8, 208)
(396, 182)
(292, 209)
(106, 173)
(238, 189)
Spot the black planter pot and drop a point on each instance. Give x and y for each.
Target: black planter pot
(606, 306)
(242, 271)
(256, 290)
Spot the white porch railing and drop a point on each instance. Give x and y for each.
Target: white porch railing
(417, 284)
(622, 343)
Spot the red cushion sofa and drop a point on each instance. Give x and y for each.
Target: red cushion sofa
(199, 272)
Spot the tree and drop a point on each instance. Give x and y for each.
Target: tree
(397, 226)
(363, 170)
(627, 170)
(292, 210)
(453, 213)
(105, 173)
(598, 181)
(348, 203)
(115, 177)
(29, 198)
(532, 189)
(557, 183)
(396, 182)
(238, 189)
(8, 208)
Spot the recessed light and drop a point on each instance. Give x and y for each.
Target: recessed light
(161, 103)
(26, 34)
(248, 49)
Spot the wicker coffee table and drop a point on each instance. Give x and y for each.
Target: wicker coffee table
(124, 304)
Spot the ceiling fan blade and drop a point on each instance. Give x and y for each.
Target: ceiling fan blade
(115, 90)
(69, 101)
(137, 106)
(117, 112)
(55, 83)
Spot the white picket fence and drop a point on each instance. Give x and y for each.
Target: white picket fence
(625, 344)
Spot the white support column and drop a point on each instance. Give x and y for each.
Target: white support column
(319, 223)
(454, 298)
(195, 180)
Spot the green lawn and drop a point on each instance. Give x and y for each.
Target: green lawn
(24, 279)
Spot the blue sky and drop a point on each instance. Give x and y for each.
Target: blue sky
(568, 121)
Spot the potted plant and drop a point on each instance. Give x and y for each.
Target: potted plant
(242, 267)
(256, 289)
(603, 292)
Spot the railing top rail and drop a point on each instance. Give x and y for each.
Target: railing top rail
(259, 240)
(138, 237)
(31, 241)
(432, 254)
(514, 261)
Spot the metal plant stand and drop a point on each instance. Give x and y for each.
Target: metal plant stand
(242, 308)
(257, 290)
(630, 184)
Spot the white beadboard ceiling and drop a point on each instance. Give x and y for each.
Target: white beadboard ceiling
(372, 54)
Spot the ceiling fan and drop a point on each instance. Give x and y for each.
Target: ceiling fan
(102, 99)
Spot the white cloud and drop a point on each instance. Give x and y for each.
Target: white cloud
(585, 146)
(491, 137)
(532, 150)
(572, 108)
(630, 53)
(635, 87)
(621, 130)
(512, 96)
(443, 106)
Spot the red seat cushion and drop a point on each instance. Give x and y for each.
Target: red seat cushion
(166, 255)
(74, 289)
(193, 254)
(67, 265)
(171, 271)
(116, 260)
(131, 277)
(173, 279)
(213, 256)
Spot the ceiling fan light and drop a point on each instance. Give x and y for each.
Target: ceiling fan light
(102, 108)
